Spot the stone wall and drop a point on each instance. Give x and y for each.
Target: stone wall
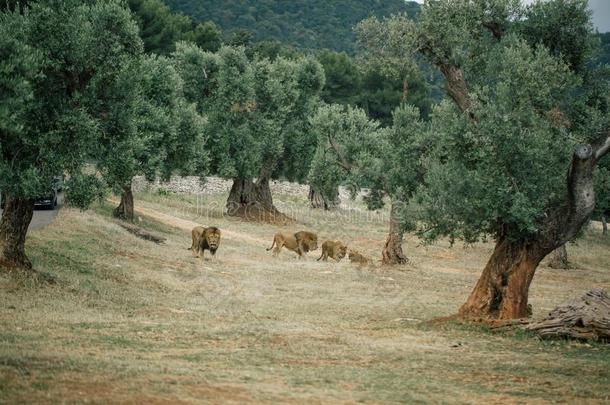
(217, 185)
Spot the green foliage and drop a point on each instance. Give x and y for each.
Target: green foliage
(255, 109)
(160, 29)
(563, 27)
(602, 54)
(151, 129)
(55, 58)
(370, 88)
(240, 37)
(380, 95)
(500, 169)
(299, 140)
(343, 79)
(501, 174)
(273, 49)
(20, 64)
(82, 190)
(309, 24)
(354, 149)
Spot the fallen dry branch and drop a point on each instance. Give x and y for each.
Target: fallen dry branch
(141, 233)
(587, 317)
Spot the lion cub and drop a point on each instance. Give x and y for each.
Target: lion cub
(356, 257)
(300, 242)
(334, 249)
(205, 238)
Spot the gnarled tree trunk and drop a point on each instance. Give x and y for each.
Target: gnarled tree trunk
(559, 258)
(502, 289)
(317, 200)
(125, 209)
(251, 200)
(14, 224)
(392, 250)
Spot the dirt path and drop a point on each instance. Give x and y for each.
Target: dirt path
(188, 225)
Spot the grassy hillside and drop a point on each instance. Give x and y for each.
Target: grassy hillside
(132, 321)
(311, 24)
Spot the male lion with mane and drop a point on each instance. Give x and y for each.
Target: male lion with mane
(334, 249)
(205, 238)
(300, 242)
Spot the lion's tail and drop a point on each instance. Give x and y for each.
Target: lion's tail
(321, 255)
(271, 247)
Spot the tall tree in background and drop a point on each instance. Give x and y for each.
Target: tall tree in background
(378, 91)
(373, 86)
(304, 24)
(160, 29)
(343, 79)
(501, 150)
(53, 55)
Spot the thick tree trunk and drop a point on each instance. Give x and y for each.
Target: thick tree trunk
(392, 250)
(559, 258)
(317, 200)
(251, 200)
(604, 225)
(502, 290)
(16, 219)
(125, 209)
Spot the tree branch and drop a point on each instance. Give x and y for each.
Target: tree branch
(455, 83)
(563, 224)
(604, 148)
(456, 87)
(341, 161)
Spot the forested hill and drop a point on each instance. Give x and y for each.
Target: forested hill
(310, 24)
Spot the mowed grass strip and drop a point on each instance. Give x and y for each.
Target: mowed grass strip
(132, 321)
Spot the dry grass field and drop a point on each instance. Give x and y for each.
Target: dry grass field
(131, 321)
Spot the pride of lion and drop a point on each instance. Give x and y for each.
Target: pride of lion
(300, 242)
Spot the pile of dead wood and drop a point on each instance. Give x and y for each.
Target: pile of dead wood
(585, 318)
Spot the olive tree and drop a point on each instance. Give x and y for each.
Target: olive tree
(253, 110)
(355, 149)
(53, 55)
(154, 130)
(503, 147)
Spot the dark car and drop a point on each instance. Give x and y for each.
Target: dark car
(49, 200)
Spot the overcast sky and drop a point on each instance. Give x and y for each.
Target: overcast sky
(601, 13)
